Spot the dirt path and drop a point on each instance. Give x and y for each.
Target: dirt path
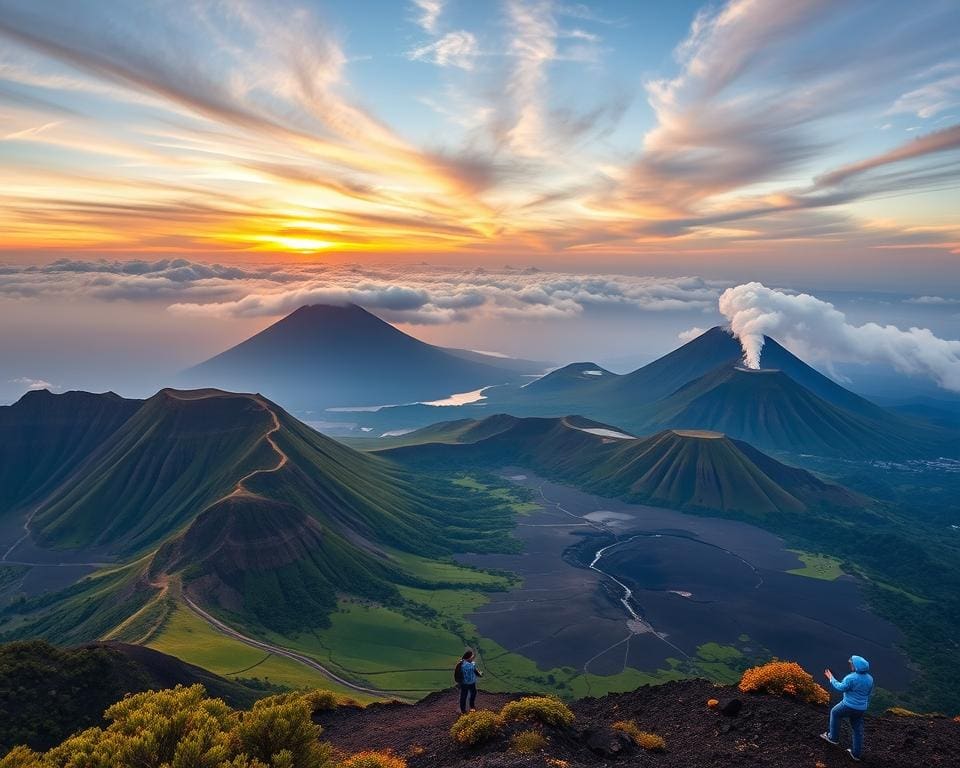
(240, 487)
(278, 651)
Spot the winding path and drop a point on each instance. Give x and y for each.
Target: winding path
(240, 489)
(278, 651)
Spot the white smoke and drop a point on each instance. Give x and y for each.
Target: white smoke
(817, 330)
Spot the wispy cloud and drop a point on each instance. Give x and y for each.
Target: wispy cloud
(165, 134)
(454, 49)
(32, 384)
(429, 13)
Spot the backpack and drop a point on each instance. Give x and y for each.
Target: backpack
(458, 673)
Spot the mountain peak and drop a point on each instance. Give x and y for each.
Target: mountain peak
(329, 309)
(324, 355)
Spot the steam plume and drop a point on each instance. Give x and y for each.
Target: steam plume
(817, 330)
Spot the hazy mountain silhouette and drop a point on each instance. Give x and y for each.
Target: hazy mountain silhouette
(321, 356)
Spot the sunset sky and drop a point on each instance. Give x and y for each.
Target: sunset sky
(306, 147)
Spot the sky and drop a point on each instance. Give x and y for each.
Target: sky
(535, 177)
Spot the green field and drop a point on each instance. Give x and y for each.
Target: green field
(721, 663)
(447, 572)
(412, 653)
(510, 495)
(191, 639)
(817, 566)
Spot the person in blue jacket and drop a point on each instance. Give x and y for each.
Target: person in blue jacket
(856, 689)
(466, 675)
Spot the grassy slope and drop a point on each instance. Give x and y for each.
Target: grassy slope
(44, 437)
(188, 637)
(166, 463)
(256, 513)
(688, 471)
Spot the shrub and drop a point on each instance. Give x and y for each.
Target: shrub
(374, 760)
(176, 727)
(476, 727)
(528, 742)
(21, 757)
(319, 700)
(274, 727)
(182, 728)
(544, 709)
(643, 739)
(713, 703)
(784, 678)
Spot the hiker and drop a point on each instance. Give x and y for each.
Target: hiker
(856, 688)
(465, 674)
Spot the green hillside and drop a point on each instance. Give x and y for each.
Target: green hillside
(178, 453)
(682, 469)
(251, 514)
(44, 437)
(771, 411)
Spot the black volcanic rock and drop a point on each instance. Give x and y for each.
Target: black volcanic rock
(771, 732)
(321, 356)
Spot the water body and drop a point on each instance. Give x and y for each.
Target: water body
(460, 398)
(654, 584)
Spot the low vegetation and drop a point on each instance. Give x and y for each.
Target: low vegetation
(528, 742)
(374, 760)
(817, 566)
(784, 678)
(643, 739)
(483, 725)
(181, 727)
(903, 712)
(475, 727)
(543, 709)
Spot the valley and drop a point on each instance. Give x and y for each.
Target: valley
(695, 584)
(578, 556)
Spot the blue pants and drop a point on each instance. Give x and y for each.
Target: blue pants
(467, 690)
(856, 723)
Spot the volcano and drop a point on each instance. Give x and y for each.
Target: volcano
(771, 410)
(718, 348)
(45, 436)
(784, 406)
(322, 355)
(247, 510)
(695, 470)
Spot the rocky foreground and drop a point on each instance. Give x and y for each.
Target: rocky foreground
(741, 730)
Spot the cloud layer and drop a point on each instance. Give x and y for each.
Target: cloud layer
(818, 331)
(416, 294)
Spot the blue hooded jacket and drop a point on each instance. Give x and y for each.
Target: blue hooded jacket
(857, 686)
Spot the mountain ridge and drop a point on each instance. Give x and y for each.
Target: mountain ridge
(685, 469)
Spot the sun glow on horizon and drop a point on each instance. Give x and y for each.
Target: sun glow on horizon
(226, 129)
